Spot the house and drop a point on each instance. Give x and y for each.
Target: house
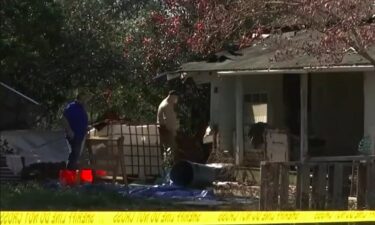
(326, 108)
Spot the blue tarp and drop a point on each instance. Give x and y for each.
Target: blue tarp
(166, 191)
(169, 191)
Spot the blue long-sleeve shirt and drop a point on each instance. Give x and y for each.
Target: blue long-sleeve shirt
(77, 118)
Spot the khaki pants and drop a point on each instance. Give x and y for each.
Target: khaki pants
(168, 140)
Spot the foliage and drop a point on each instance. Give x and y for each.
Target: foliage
(204, 27)
(44, 197)
(118, 88)
(74, 44)
(29, 43)
(33, 196)
(343, 25)
(5, 148)
(176, 31)
(156, 39)
(115, 48)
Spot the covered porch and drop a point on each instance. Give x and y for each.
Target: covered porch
(324, 113)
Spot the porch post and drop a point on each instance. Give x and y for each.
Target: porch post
(239, 154)
(304, 117)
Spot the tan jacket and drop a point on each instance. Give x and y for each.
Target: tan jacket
(167, 116)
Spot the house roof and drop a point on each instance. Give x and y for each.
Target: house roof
(257, 57)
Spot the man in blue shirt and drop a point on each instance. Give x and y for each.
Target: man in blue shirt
(75, 121)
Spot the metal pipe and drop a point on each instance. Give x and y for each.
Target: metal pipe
(190, 174)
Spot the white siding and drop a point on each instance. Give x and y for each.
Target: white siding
(223, 110)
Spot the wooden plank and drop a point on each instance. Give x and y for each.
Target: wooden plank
(304, 117)
(269, 190)
(361, 186)
(115, 170)
(91, 155)
(305, 179)
(342, 158)
(239, 159)
(338, 179)
(264, 171)
(115, 161)
(284, 187)
(109, 138)
(347, 169)
(338, 187)
(274, 187)
(353, 186)
(121, 161)
(303, 187)
(315, 188)
(370, 192)
(319, 185)
(298, 188)
(330, 186)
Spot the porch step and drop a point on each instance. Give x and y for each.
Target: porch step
(6, 175)
(3, 161)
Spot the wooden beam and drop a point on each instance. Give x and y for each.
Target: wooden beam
(274, 187)
(348, 158)
(264, 179)
(303, 186)
(370, 186)
(100, 139)
(239, 121)
(361, 186)
(284, 187)
(304, 117)
(338, 201)
(319, 184)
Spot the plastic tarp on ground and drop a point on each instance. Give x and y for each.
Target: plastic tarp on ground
(169, 191)
(178, 194)
(35, 146)
(165, 191)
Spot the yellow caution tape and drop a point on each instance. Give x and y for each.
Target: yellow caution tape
(190, 218)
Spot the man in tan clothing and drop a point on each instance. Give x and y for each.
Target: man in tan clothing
(168, 122)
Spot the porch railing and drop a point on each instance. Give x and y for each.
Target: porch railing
(321, 183)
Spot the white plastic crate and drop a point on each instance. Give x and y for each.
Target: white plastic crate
(141, 146)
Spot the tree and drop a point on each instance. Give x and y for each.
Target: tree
(50, 48)
(204, 27)
(343, 25)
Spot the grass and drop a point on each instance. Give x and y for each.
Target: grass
(33, 196)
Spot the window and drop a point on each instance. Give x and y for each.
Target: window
(256, 108)
(255, 120)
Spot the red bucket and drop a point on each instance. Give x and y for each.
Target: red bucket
(86, 176)
(68, 177)
(100, 173)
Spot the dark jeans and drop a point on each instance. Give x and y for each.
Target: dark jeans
(75, 152)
